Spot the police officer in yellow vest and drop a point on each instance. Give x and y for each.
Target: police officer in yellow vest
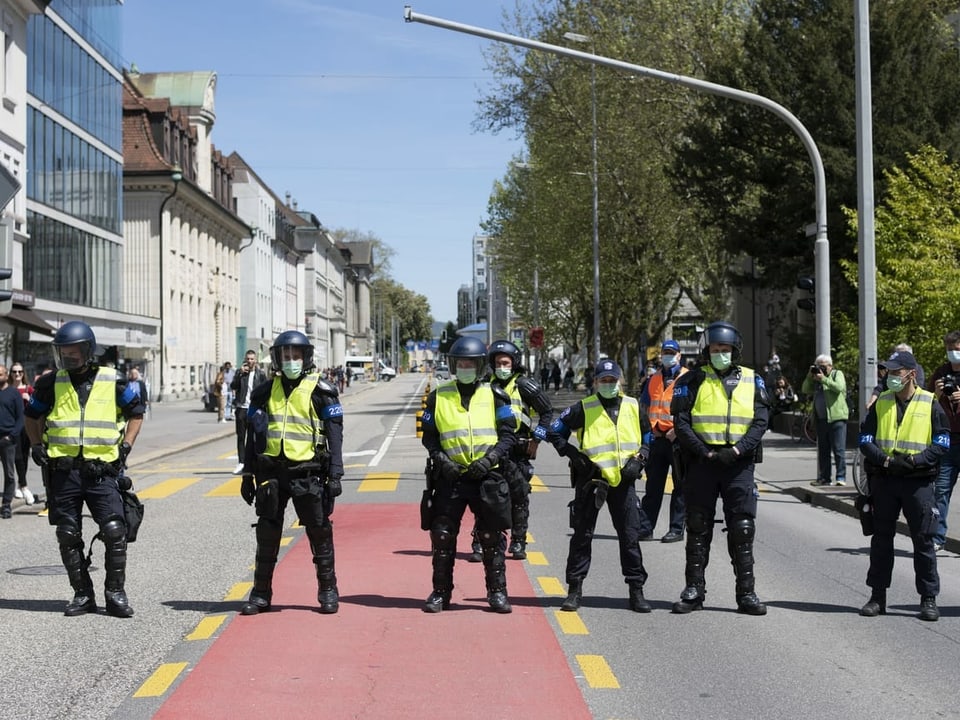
(720, 413)
(72, 425)
(468, 429)
(294, 450)
(655, 404)
(605, 466)
(902, 439)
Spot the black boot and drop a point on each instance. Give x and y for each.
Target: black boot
(438, 600)
(574, 595)
(518, 547)
(269, 534)
(495, 570)
(928, 608)
(740, 532)
(690, 599)
(321, 544)
(84, 601)
(115, 569)
(638, 603)
(876, 605)
(698, 555)
(498, 601)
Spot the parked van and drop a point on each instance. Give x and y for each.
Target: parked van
(361, 366)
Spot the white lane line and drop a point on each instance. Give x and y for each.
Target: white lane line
(396, 426)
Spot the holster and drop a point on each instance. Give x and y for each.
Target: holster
(132, 513)
(430, 473)
(267, 500)
(495, 506)
(864, 507)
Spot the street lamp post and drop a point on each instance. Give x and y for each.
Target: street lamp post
(578, 38)
(176, 175)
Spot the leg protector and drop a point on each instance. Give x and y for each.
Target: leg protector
(699, 536)
(444, 555)
(71, 553)
(740, 532)
(494, 566)
(321, 544)
(269, 534)
(114, 533)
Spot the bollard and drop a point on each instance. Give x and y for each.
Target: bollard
(420, 423)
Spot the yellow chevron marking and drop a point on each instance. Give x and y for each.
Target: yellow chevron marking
(597, 672)
(166, 488)
(536, 558)
(379, 482)
(570, 623)
(161, 680)
(551, 586)
(207, 627)
(239, 591)
(285, 540)
(231, 488)
(536, 485)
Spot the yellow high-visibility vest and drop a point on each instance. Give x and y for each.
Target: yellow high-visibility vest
(719, 419)
(293, 425)
(911, 435)
(465, 435)
(610, 445)
(92, 428)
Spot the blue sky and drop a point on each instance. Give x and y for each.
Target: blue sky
(365, 119)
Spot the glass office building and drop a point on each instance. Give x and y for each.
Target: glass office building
(75, 154)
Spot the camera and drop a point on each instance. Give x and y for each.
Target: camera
(950, 383)
(818, 370)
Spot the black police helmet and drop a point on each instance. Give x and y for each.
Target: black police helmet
(468, 348)
(74, 334)
(291, 338)
(505, 347)
(723, 333)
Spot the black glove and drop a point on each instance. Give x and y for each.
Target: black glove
(248, 489)
(630, 472)
(727, 456)
(600, 494)
(124, 451)
(582, 465)
(902, 464)
(478, 469)
(334, 488)
(39, 454)
(124, 482)
(447, 468)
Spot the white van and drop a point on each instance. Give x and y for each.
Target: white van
(361, 366)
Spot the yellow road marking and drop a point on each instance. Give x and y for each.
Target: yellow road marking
(167, 488)
(596, 671)
(355, 465)
(530, 537)
(380, 482)
(161, 680)
(231, 488)
(551, 586)
(570, 623)
(207, 627)
(296, 523)
(536, 558)
(238, 591)
(286, 540)
(536, 485)
(226, 455)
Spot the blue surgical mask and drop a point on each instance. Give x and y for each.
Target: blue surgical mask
(607, 390)
(467, 377)
(721, 361)
(895, 383)
(503, 373)
(292, 368)
(954, 356)
(668, 360)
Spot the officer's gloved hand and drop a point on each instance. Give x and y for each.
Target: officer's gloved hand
(124, 450)
(727, 456)
(333, 486)
(39, 454)
(124, 482)
(630, 472)
(449, 470)
(478, 469)
(581, 465)
(902, 464)
(248, 488)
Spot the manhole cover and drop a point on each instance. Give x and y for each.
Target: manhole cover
(40, 570)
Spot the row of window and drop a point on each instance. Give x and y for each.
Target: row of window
(71, 175)
(66, 264)
(63, 76)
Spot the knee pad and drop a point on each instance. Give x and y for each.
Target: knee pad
(442, 535)
(741, 528)
(68, 534)
(698, 520)
(489, 538)
(268, 531)
(113, 530)
(320, 533)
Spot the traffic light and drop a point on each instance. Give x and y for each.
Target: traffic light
(805, 282)
(536, 337)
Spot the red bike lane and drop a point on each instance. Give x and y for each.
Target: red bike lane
(381, 656)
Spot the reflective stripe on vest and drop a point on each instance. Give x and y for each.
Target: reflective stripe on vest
(91, 428)
(719, 419)
(293, 426)
(609, 445)
(465, 435)
(660, 397)
(521, 411)
(912, 434)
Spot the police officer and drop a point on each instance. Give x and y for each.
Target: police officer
(72, 421)
(605, 466)
(468, 429)
(655, 405)
(534, 414)
(294, 451)
(903, 437)
(720, 413)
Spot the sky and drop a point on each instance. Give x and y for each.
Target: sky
(365, 119)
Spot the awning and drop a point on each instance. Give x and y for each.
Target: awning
(25, 317)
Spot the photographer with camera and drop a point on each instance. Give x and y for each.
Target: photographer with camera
(945, 384)
(829, 390)
(244, 381)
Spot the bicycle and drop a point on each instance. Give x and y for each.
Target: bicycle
(802, 425)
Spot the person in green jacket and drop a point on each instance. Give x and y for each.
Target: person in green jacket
(830, 410)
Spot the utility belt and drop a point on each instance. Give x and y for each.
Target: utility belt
(278, 467)
(87, 469)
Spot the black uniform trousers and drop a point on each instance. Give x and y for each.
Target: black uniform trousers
(915, 497)
(625, 515)
(68, 491)
(707, 480)
(658, 465)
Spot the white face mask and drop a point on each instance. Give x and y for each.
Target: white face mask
(607, 390)
(504, 373)
(668, 360)
(721, 361)
(292, 368)
(466, 376)
(954, 356)
(896, 382)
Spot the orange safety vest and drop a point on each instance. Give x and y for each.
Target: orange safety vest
(660, 397)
